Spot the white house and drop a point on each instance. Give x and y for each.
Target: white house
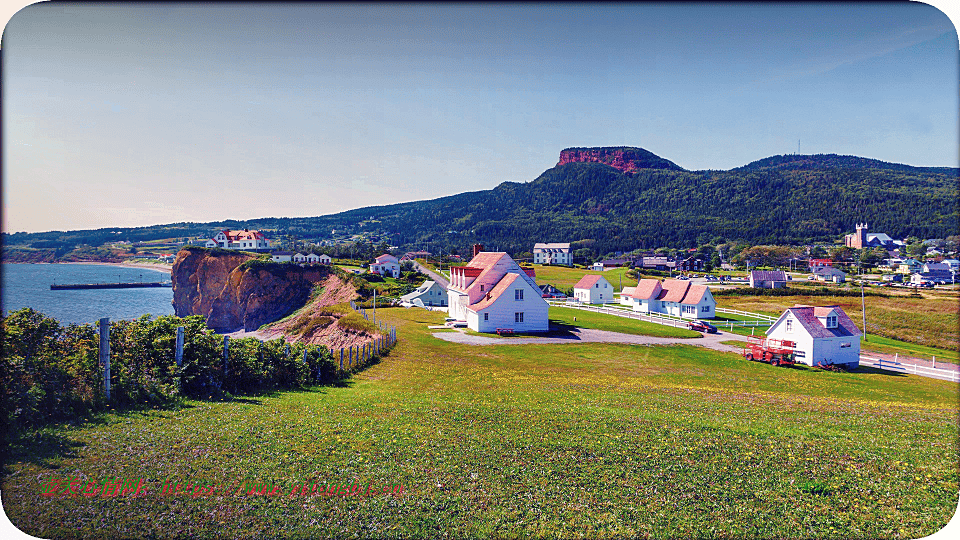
(245, 239)
(299, 257)
(281, 256)
(323, 258)
(386, 265)
(593, 290)
(823, 335)
(676, 297)
(829, 273)
(494, 292)
(768, 279)
(430, 293)
(313, 258)
(953, 265)
(555, 253)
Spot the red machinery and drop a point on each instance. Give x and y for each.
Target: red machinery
(778, 352)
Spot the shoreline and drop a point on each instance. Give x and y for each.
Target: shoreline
(152, 266)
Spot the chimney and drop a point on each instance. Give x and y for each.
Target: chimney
(477, 248)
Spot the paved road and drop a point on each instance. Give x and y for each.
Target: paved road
(442, 281)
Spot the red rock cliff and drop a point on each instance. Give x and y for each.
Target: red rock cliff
(213, 284)
(623, 158)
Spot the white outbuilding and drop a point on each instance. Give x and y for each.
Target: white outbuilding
(823, 335)
(493, 292)
(593, 289)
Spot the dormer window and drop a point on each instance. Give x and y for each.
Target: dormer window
(831, 321)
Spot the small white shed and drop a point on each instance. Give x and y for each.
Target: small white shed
(823, 334)
(593, 290)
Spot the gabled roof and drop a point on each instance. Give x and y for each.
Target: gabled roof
(384, 258)
(587, 282)
(532, 272)
(827, 271)
(646, 289)
(627, 291)
(674, 290)
(695, 294)
(807, 316)
(495, 292)
(768, 275)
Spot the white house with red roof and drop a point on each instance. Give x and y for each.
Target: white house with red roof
(593, 289)
(493, 292)
(823, 335)
(245, 240)
(675, 297)
(386, 265)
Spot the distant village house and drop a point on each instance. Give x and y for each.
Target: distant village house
(556, 253)
(593, 289)
(244, 240)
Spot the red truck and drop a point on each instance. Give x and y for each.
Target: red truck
(778, 352)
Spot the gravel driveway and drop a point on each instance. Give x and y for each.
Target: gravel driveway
(589, 335)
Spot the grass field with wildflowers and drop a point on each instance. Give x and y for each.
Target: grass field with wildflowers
(547, 440)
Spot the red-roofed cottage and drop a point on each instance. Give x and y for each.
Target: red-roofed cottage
(494, 292)
(823, 334)
(245, 240)
(386, 265)
(593, 290)
(674, 297)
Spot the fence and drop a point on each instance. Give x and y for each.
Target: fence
(757, 316)
(649, 317)
(923, 371)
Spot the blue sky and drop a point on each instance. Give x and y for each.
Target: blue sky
(131, 115)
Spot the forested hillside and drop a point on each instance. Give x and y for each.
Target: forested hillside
(781, 199)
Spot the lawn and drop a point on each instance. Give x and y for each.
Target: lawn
(602, 321)
(505, 440)
(563, 277)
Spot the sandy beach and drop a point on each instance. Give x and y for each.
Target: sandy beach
(153, 266)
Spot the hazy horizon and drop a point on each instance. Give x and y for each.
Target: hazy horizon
(142, 114)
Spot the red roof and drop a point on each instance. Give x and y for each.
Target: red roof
(674, 290)
(587, 282)
(495, 292)
(486, 259)
(695, 294)
(532, 272)
(646, 289)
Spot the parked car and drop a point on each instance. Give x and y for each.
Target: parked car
(701, 326)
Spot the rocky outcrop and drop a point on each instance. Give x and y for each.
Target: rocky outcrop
(232, 295)
(623, 158)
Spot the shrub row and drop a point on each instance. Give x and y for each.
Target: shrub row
(50, 372)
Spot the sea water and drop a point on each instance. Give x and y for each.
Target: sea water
(28, 285)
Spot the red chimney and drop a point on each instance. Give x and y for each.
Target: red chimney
(477, 248)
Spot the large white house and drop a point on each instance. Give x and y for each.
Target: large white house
(556, 253)
(429, 294)
(386, 265)
(823, 335)
(674, 297)
(493, 292)
(245, 239)
(592, 289)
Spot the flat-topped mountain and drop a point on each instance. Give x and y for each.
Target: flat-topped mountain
(622, 158)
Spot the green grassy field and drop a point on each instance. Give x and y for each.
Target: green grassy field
(506, 440)
(600, 321)
(563, 277)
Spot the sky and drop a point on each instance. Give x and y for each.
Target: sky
(123, 115)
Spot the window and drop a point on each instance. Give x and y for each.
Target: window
(601, 296)
(845, 344)
(832, 321)
(518, 317)
(481, 288)
(486, 316)
(705, 309)
(518, 294)
(598, 286)
(789, 326)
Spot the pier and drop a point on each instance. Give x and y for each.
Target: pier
(109, 285)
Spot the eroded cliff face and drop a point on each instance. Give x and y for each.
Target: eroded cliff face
(622, 158)
(212, 284)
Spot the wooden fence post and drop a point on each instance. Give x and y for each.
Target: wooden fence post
(105, 354)
(226, 356)
(179, 354)
(341, 358)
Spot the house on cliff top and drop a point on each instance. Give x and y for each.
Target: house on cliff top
(493, 292)
(246, 240)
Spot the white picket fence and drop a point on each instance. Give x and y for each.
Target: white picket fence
(757, 316)
(666, 319)
(923, 371)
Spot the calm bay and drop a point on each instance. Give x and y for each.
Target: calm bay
(28, 285)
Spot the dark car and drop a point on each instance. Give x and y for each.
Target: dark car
(701, 326)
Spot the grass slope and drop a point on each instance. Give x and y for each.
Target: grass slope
(588, 439)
